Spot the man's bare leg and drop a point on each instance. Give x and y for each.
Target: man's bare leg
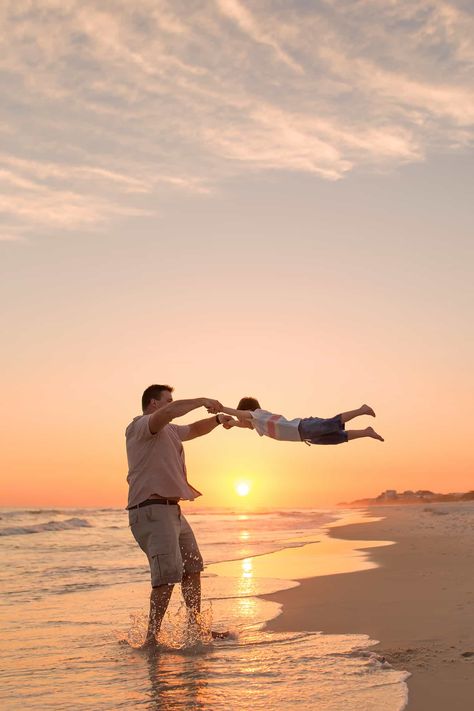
(368, 432)
(191, 589)
(159, 600)
(362, 410)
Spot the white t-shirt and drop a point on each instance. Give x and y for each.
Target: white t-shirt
(276, 426)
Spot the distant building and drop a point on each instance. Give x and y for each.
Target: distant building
(388, 495)
(424, 493)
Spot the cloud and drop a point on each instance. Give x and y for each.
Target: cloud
(7, 235)
(61, 209)
(108, 111)
(238, 12)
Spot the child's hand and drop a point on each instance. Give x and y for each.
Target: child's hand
(212, 406)
(227, 422)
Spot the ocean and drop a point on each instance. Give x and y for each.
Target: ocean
(75, 600)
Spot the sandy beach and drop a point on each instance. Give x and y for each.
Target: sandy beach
(418, 602)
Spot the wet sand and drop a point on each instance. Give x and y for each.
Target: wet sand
(418, 602)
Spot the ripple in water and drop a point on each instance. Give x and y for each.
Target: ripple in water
(262, 670)
(259, 670)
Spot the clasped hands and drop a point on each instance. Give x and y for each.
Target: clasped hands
(214, 407)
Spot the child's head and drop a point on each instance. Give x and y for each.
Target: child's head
(248, 403)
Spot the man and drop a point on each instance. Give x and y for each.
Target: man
(157, 482)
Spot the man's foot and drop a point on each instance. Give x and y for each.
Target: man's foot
(367, 410)
(149, 644)
(220, 635)
(372, 433)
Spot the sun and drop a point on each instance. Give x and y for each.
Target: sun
(242, 488)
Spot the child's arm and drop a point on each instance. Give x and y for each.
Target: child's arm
(245, 415)
(240, 414)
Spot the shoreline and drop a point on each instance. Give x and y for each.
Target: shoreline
(418, 602)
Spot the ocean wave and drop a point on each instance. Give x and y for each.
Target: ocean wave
(49, 526)
(256, 553)
(20, 513)
(35, 512)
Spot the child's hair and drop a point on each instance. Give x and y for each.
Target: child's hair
(248, 403)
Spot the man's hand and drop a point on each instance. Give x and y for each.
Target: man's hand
(212, 406)
(227, 421)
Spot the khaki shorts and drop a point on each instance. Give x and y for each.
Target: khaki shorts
(166, 537)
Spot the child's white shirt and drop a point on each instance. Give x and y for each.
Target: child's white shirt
(276, 426)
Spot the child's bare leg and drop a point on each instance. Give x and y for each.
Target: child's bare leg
(362, 410)
(368, 432)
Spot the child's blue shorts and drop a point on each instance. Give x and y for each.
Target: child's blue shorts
(318, 430)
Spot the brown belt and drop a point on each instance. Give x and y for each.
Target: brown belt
(150, 502)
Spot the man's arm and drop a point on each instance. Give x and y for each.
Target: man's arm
(165, 414)
(238, 423)
(203, 427)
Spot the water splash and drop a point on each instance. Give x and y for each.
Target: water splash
(136, 634)
(183, 631)
(180, 631)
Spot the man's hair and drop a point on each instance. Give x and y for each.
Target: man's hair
(248, 403)
(153, 392)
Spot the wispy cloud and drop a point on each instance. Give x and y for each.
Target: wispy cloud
(238, 12)
(9, 234)
(107, 109)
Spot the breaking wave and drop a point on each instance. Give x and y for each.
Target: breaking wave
(49, 526)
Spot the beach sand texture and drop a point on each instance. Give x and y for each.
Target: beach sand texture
(418, 602)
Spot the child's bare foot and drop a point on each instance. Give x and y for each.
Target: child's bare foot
(372, 433)
(367, 410)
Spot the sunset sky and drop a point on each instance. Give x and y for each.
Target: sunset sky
(262, 198)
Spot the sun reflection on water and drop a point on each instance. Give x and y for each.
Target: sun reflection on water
(247, 571)
(247, 608)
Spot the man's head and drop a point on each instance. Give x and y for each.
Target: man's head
(156, 396)
(248, 403)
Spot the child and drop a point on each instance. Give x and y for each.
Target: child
(312, 430)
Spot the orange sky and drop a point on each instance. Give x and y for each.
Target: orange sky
(71, 393)
(301, 233)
